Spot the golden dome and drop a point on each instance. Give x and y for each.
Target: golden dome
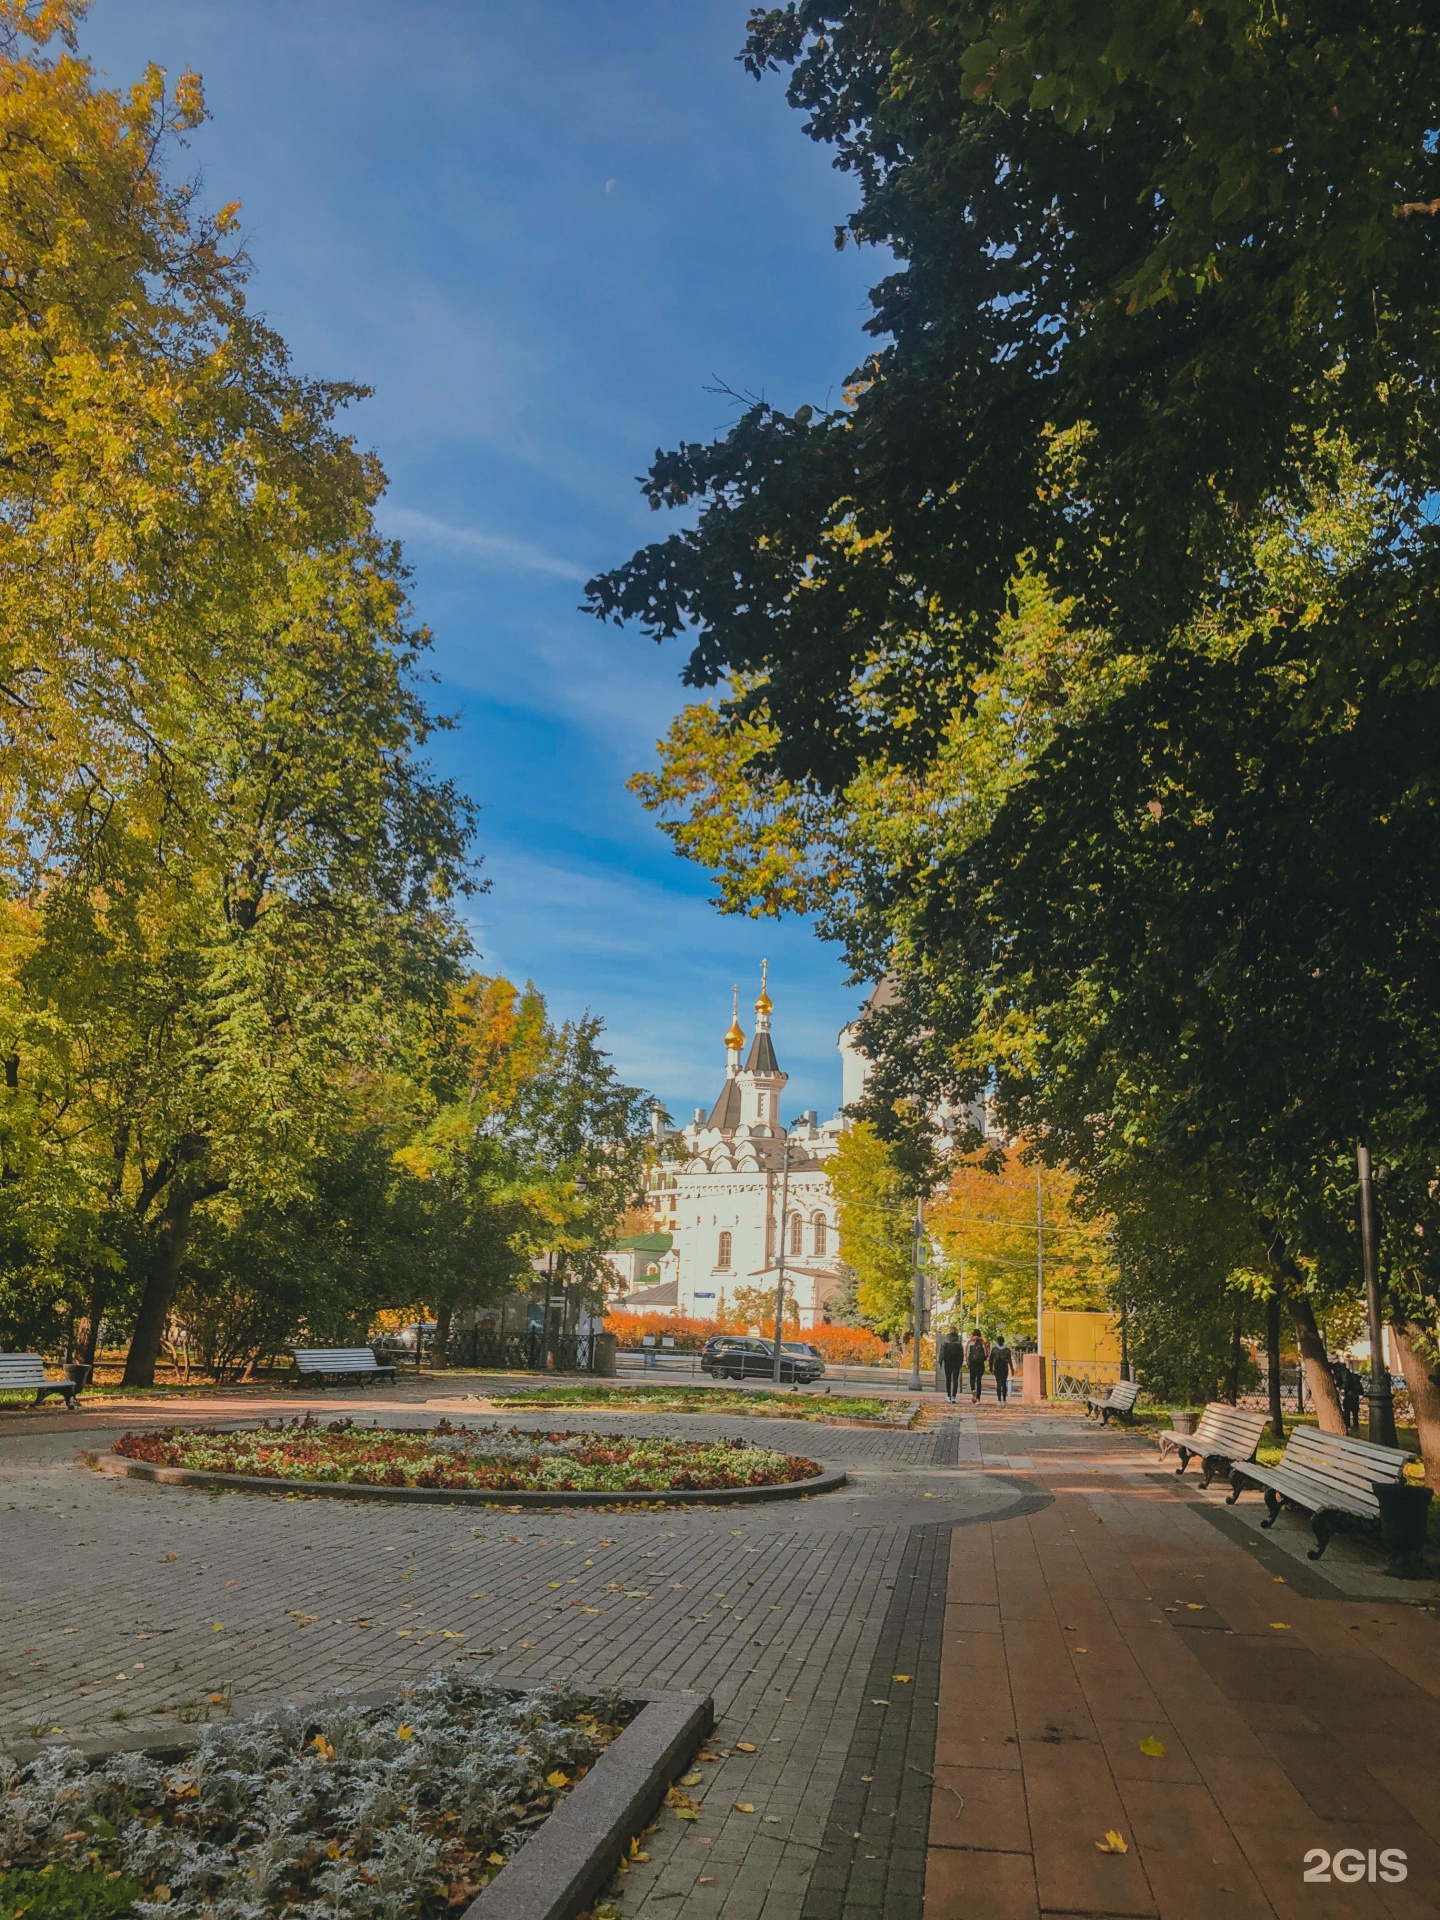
(735, 1038)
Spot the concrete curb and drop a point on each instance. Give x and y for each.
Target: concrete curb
(826, 1482)
(562, 1866)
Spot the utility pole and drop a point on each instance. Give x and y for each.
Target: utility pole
(917, 1300)
(784, 1228)
(1040, 1273)
(1379, 1402)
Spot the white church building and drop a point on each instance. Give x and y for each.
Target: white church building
(726, 1187)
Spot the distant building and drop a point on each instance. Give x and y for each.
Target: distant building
(717, 1187)
(636, 1261)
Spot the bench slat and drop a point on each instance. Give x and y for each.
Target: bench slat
(22, 1369)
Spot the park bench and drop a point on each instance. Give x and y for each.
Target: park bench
(19, 1372)
(350, 1363)
(1328, 1475)
(1223, 1435)
(1120, 1401)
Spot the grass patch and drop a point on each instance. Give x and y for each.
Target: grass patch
(759, 1401)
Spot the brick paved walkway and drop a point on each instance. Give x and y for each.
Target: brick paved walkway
(1085, 1607)
(1294, 1710)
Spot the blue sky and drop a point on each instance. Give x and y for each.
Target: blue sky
(544, 234)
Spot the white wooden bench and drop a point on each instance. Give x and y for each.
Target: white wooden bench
(1120, 1401)
(20, 1372)
(1328, 1475)
(1223, 1436)
(350, 1363)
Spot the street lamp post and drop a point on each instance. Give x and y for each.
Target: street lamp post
(1380, 1404)
(917, 1298)
(784, 1228)
(1040, 1281)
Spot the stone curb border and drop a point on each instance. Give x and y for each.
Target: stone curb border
(826, 1482)
(562, 1866)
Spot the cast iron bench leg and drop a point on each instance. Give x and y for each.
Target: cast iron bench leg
(1185, 1456)
(1322, 1526)
(1273, 1503)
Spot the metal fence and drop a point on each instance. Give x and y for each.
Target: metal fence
(525, 1352)
(1083, 1382)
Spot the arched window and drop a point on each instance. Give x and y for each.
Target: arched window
(724, 1259)
(817, 1231)
(797, 1233)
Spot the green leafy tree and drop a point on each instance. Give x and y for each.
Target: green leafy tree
(1156, 370)
(876, 1212)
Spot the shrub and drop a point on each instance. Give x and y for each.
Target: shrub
(847, 1346)
(689, 1335)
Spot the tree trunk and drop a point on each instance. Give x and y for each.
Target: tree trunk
(95, 1313)
(1272, 1361)
(1316, 1362)
(160, 1285)
(1232, 1376)
(1422, 1378)
(440, 1344)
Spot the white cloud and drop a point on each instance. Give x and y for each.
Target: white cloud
(496, 550)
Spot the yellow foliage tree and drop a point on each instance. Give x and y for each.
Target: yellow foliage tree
(986, 1224)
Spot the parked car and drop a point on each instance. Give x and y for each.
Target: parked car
(735, 1356)
(407, 1344)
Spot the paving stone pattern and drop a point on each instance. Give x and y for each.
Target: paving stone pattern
(1060, 1598)
(776, 1610)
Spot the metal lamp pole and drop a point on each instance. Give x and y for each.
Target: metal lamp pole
(917, 1298)
(1379, 1402)
(1040, 1279)
(784, 1228)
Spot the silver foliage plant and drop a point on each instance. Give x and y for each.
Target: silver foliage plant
(328, 1811)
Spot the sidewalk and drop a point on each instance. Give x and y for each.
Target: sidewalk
(1117, 1663)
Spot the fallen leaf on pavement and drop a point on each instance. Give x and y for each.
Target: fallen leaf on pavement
(742, 1806)
(1113, 1843)
(744, 1746)
(1153, 1747)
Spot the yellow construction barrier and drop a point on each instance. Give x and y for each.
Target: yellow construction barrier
(1082, 1351)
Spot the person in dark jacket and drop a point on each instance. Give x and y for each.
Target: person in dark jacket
(975, 1360)
(1000, 1363)
(952, 1359)
(1351, 1386)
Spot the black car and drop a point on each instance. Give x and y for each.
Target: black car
(734, 1356)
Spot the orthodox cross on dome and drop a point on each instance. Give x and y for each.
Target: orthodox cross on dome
(764, 1006)
(735, 1038)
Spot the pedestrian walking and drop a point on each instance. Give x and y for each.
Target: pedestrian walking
(1001, 1360)
(975, 1357)
(1350, 1389)
(952, 1359)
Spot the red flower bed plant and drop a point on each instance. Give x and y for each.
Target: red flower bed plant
(462, 1459)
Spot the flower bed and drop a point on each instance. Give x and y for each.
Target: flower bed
(394, 1813)
(462, 1459)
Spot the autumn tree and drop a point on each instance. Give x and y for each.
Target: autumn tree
(987, 1220)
